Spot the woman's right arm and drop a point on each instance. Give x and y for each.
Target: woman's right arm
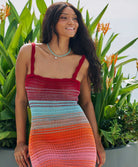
(21, 150)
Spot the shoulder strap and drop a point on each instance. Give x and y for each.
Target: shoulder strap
(32, 58)
(78, 67)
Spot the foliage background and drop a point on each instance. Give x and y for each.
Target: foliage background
(106, 99)
(122, 16)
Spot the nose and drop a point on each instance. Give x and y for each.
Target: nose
(70, 21)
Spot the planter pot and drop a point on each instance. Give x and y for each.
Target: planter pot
(7, 158)
(126, 156)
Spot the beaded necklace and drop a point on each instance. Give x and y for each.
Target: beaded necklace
(56, 56)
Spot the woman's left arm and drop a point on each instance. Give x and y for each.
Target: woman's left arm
(87, 106)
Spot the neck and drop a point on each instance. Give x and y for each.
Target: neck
(59, 48)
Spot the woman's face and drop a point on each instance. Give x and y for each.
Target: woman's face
(67, 24)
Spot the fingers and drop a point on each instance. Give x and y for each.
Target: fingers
(101, 159)
(26, 158)
(21, 161)
(97, 159)
(21, 156)
(101, 162)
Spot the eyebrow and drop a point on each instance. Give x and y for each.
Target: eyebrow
(68, 14)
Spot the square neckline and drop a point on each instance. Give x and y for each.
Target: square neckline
(74, 75)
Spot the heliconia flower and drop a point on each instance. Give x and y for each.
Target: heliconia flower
(103, 27)
(108, 82)
(98, 27)
(4, 12)
(110, 59)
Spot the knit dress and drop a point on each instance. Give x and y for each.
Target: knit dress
(60, 135)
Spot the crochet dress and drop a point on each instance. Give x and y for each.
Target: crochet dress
(60, 135)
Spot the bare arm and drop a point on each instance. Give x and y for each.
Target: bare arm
(21, 102)
(21, 99)
(87, 106)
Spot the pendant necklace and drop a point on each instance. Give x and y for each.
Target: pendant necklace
(56, 56)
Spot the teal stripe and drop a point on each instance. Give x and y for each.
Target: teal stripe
(38, 111)
(51, 102)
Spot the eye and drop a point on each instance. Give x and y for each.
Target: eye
(75, 18)
(63, 17)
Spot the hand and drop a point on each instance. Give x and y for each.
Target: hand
(101, 156)
(21, 155)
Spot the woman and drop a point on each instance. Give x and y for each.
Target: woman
(54, 76)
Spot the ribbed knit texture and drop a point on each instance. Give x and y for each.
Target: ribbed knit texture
(60, 134)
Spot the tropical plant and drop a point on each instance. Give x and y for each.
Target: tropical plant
(113, 94)
(19, 31)
(25, 28)
(119, 125)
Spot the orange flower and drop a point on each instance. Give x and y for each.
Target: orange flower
(98, 27)
(4, 12)
(103, 27)
(110, 59)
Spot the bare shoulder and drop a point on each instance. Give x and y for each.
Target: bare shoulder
(25, 53)
(25, 49)
(86, 63)
(85, 66)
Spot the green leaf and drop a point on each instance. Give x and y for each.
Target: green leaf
(29, 37)
(126, 46)
(10, 33)
(13, 13)
(2, 79)
(11, 94)
(121, 57)
(105, 69)
(109, 111)
(116, 90)
(108, 45)
(78, 5)
(125, 62)
(41, 5)
(7, 134)
(99, 47)
(107, 135)
(81, 9)
(14, 43)
(29, 4)
(37, 30)
(52, 2)
(128, 89)
(122, 99)
(26, 20)
(6, 104)
(5, 54)
(119, 71)
(111, 73)
(35, 18)
(2, 28)
(98, 106)
(87, 18)
(6, 115)
(9, 82)
(96, 21)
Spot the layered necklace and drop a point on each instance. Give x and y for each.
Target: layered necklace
(56, 56)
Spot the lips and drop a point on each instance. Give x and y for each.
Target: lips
(70, 28)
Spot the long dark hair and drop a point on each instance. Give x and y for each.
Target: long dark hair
(81, 44)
